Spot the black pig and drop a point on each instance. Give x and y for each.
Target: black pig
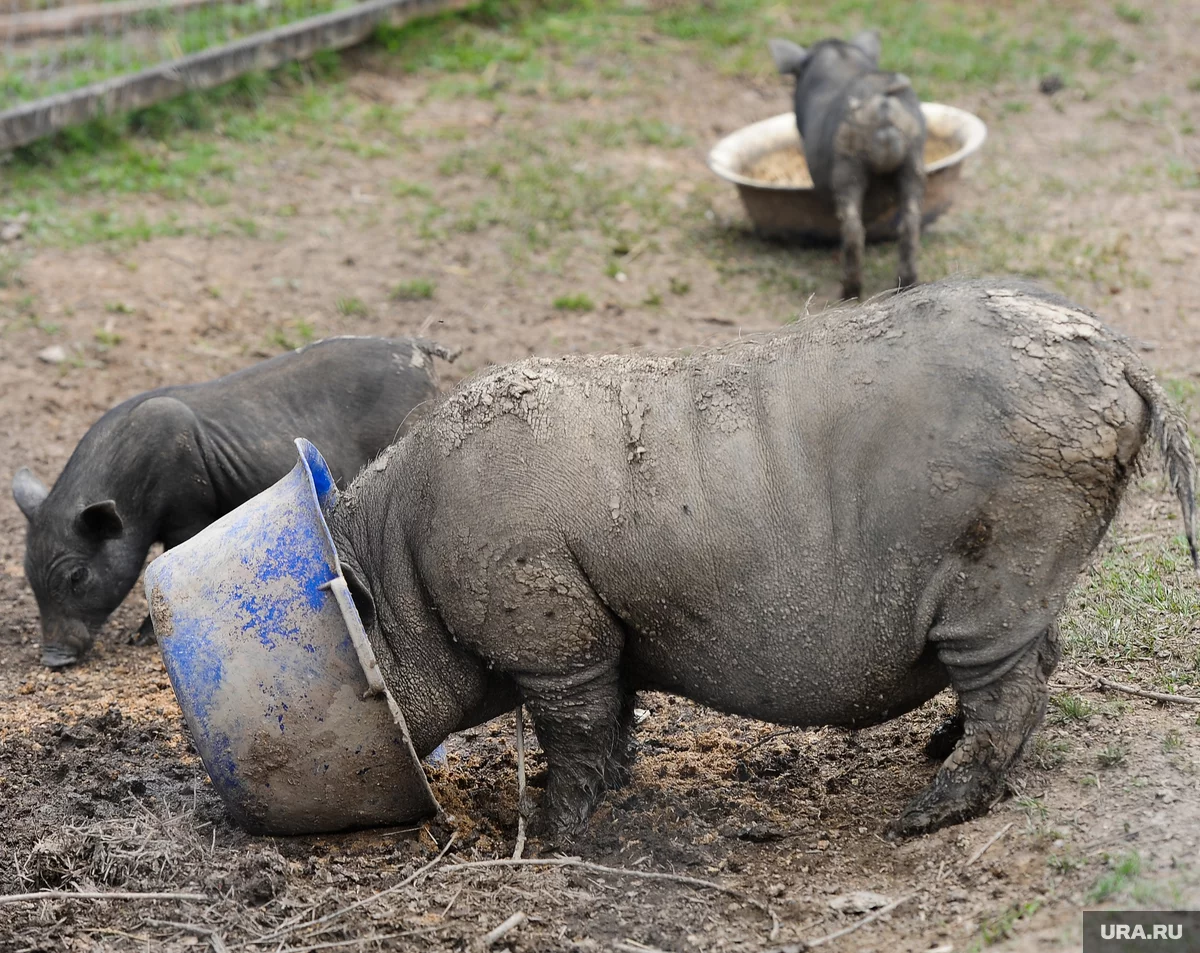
(859, 124)
(163, 465)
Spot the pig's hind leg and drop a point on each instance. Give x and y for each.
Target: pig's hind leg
(849, 189)
(912, 193)
(999, 716)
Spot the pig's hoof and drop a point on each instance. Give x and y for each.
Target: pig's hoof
(144, 635)
(945, 736)
(551, 832)
(943, 803)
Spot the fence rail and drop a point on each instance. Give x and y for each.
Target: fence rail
(37, 62)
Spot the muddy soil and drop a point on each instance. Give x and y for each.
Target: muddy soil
(100, 788)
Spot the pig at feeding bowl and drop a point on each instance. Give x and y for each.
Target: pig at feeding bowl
(273, 671)
(780, 209)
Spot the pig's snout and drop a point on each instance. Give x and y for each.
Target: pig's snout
(65, 642)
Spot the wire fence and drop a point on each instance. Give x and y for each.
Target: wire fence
(65, 61)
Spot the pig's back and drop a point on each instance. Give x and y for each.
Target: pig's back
(766, 520)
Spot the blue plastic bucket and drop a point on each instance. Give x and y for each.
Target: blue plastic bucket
(273, 671)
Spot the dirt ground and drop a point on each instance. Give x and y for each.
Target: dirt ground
(100, 788)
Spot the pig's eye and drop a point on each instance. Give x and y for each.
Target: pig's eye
(78, 575)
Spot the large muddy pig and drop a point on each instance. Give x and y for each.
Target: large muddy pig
(826, 525)
(163, 465)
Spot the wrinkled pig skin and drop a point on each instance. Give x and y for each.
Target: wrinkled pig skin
(164, 464)
(825, 525)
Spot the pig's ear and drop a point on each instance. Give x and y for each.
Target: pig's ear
(100, 521)
(28, 491)
(361, 596)
(868, 42)
(787, 55)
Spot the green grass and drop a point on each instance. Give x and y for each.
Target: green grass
(351, 307)
(290, 337)
(1001, 927)
(574, 302)
(1136, 608)
(1130, 13)
(417, 289)
(101, 55)
(510, 53)
(1071, 707)
(1119, 878)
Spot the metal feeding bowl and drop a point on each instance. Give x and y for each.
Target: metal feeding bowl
(789, 211)
(274, 673)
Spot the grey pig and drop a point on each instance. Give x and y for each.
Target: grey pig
(859, 125)
(825, 525)
(164, 464)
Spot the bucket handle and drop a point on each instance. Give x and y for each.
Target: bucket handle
(358, 635)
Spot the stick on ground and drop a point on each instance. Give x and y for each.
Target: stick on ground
(991, 840)
(270, 937)
(822, 940)
(97, 895)
(612, 871)
(1139, 692)
(214, 938)
(504, 929)
(520, 846)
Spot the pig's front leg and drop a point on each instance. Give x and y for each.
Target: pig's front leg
(849, 187)
(912, 192)
(582, 721)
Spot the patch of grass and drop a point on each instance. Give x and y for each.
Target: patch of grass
(247, 226)
(351, 307)
(1111, 756)
(1049, 753)
(288, 338)
(1130, 13)
(1071, 707)
(655, 132)
(1183, 391)
(653, 299)
(403, 189)
(1120, 876)
(501, 48)
(995, 929)
(1172, 741)
(1064, 863)
(1035, 808)
(1102, 51)
(1137, 608)
(574, 302)
(1186, 175)
(416, 289)
(106, 338)
(679, 286)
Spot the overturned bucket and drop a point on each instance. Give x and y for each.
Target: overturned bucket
(273, 671)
